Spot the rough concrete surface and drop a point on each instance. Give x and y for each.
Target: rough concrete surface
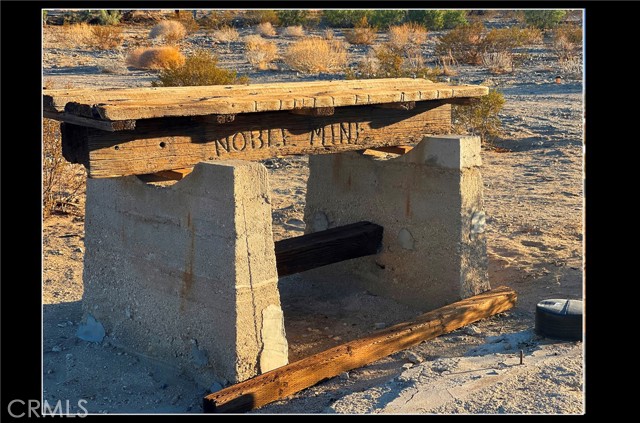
(186, 274)
(426, 201)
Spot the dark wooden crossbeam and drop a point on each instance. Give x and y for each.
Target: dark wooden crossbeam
(295, 255)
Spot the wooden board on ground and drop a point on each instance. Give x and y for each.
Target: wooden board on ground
(164, 144)
(156, 102)
(287, 380)
(295, 255)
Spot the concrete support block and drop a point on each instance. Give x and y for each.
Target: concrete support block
(186, 274)
(429, 202)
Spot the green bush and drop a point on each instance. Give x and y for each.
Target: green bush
(544, 19)
(481, 117)
(432, 19)
(343, 18)
(292, 17)
(438, 19)
(454, 18)
(201, 68)
(383, 19)
(109, 17)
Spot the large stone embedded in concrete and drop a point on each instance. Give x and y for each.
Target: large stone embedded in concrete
(429, 202)
(186, 274)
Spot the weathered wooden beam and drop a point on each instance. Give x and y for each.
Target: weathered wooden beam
(395, 149)
(317, 111)
(103, 125)
(287, 380)
(402, 105)
(214, 118)
(170, 143)
(166, 175)
(295, 255)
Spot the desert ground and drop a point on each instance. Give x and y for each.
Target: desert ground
(534, 200)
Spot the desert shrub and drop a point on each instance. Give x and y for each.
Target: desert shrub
(438, 19)
(292, 17)
(258, 16)
(328, 34)
(343, 18)
(407, 34)
(266, 29)
(201, 68)
(316, 55)
(293, 31)
(226, 34)
(387, 61)
(155, 58)
(385, 18)
(481, 117)
(544, 19)
(44, 16)
(567, 41)
(76, 35)
(62, 182)
(217, 19)
(169, 31)
(498, 62)
(188, 21)
(105, 37)
(361, 34)
(260, 52)
(454, 18)
(91, 36)
(463, 43)
(109, 17)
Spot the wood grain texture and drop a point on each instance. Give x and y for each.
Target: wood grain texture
(287, 380)
(165, 144)
(103, 125)
(156, 102)
(295, 255)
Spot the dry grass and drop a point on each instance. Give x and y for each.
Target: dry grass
(328, 34)
(62, 182)
(155, 58)
(106, 37)
(498, 62)
(407, 35)
(316, 55)
(225, 34)
(169, 31)
(567, 42)
(266, 29)
(293, 31)
(76, 35)
(260, 52)
(361, 36)
(94, 37)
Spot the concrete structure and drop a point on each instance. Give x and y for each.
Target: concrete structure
(186, 274)
(429, 202)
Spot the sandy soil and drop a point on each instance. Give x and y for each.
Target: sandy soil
(534, 203)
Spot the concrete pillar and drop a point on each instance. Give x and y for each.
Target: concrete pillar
(186, 274)
(429, 202)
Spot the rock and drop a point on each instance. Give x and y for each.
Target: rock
(379, 325)
(164, 386)
(413, 357)
(56, 349)
(344, 376)
(407, 366)
(91, 330)
(472, 330)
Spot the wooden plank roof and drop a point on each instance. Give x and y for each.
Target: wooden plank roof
(158, 102)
